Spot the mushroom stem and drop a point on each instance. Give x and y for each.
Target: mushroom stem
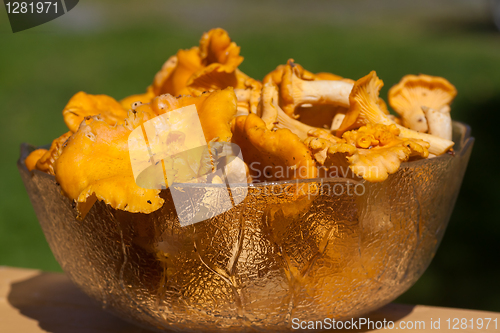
(438, 146)
(415, 120)
(243, 95)
(269, 105)
(439, 122)
(337, 121)
(241, 110)
(364, 109)
(249, 97)
(295, 91)
(321, 92)
(274, 116)
(413, 91)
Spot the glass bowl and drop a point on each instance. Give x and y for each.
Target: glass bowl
(332, 253)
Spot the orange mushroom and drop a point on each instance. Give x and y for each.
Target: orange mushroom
(95, 163)
(249, 97)
(416, 91)
(211, 66)
(296, 90)
(82, 105)
(46, 162)
(274, 117)
(272, 155)
(33, 158)
(373, 151)
(365, 109)
(216, 110)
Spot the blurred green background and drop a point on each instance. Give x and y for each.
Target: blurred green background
(116, 47)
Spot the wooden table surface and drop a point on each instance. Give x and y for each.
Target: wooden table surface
(33, 301)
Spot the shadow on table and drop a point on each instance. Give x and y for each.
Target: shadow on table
(389, 313)
(60, 307)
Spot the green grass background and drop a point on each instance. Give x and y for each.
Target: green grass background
(116, 47)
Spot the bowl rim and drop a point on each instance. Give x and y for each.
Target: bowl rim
(461, 135)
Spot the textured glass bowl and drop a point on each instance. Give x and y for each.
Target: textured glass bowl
(268, 260)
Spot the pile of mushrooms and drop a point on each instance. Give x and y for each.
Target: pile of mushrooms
(293, 125)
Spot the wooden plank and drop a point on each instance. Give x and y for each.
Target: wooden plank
(32, 301)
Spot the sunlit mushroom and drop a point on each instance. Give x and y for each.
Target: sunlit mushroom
(439, 122)
(95, 163)
(373, 151)
(296, 91)
(212, 65)
(46, 162)
(274, 117)
(82, 105)
(248, 97)
(272, 154)
(215, 109)
(416, 91)
(364, 109)
(33, 158)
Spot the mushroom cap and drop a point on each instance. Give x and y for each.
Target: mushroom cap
(216, 47)
(210, 66)
(276, 75)
(272, 154)
(164, 74)
(176, 77)
(364, 101)
(213, 65)
(82, 105)
(215, 77)
(46, 162)
(33, 158)
(215, 109)
(95, 163)
(365, 109)
(379, 151)
(414, 91)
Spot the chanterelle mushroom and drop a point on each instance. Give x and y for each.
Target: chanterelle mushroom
(95, 163)
(211, 66)
(82, 105)
(248, 97)
(439, 122)
(364, 109)
(274, 117)
(373, 151)
(272, 155)
(416, 91)
(215, 109)
(33, 158)
(317, 115)
(381, 151)
(46, 162)
(216, 59)
(296, 91)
